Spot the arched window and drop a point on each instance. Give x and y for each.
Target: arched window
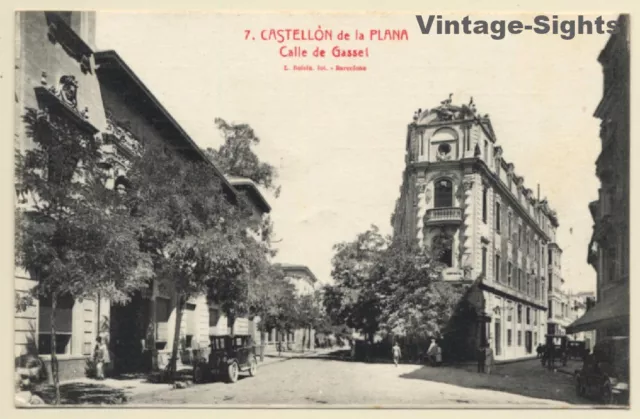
(443, 189)
(442, 246)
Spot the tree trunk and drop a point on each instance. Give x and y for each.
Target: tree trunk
(151, 328)
(180, 303)
(54, 358)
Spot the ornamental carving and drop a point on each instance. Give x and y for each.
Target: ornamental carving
(467, 184)
(67, 90)
(448, 112)
(124, 138)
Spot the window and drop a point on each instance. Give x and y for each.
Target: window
(519, 338)
(64, 317)
(509, 338)
(486, 150)
(163, 311)
(498, 217)
(535, 317)
(528, 315)
(611, 263)
(442, 244)
(214, 317)
(537, 289)
(519, 314)
(467, 142)
(509, 269)
(497, 269)
(484, 204)
(484, 261)
(509, 228)
(509, 312)
(535, 337)
(520, 280)
(550, 314)
(443, 194)
(520, 235)
(192, 324)
(528, 289)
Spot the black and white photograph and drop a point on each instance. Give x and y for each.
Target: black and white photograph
(245, 209)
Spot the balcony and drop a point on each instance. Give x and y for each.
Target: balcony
(446, 215)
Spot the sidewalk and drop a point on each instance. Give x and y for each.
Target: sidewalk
(118, 390)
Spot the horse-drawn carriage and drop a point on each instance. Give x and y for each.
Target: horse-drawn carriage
(555, 350)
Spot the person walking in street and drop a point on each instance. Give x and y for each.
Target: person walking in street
(438, 355)
(488, 359)
(396, 354)
(431, 352)
(100, 357)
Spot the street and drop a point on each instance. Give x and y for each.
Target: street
(321, 381)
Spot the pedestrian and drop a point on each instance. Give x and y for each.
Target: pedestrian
(100, 356)
(396, 354)
(438, 355)
(481, 358)
(431, 352)
(488, 359)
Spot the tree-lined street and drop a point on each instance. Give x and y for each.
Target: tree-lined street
(321, 380)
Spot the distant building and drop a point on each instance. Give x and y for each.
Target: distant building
(459, 190)
(608, 251)
(305, 282)
(579, 304)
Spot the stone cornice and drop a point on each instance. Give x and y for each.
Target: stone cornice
(478, 163)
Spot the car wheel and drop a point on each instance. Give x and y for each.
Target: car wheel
(607, 394)
(253, 367)
(232, 372)
(198, 374)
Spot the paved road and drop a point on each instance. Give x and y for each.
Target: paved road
(318, 381)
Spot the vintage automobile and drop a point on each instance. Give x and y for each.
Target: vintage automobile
(227, 358)
(605, 373)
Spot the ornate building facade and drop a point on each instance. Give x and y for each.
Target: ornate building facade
(61, 77)
(608, 251)
(458, 189)
(55, 76)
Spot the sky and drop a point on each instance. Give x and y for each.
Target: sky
(337, 139)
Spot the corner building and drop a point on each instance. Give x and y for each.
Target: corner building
(458, 189)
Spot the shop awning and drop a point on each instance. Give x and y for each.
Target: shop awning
(611, 311)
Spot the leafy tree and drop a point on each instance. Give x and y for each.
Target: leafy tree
(74, 238)
(390, 285)
(355, 299)
(198, 239)
(236, 157)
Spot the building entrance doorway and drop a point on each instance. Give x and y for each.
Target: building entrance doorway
(528, 342)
